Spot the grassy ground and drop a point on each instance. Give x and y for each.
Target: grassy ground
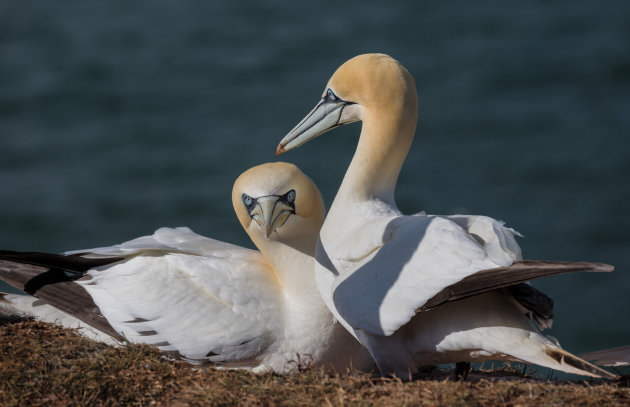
(41, 364)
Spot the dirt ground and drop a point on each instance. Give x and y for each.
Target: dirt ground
(42, 364)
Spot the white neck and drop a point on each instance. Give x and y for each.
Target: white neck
(291, 258)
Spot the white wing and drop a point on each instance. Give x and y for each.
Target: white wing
(181, 240)
(416, 258)
(497, 240)
(206, 300)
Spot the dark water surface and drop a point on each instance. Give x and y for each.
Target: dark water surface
(119, 117)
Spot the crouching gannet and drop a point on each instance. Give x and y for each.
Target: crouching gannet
(202, 299)
(384, 274)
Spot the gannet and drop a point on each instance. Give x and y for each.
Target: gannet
(202, 299)
(384, 274)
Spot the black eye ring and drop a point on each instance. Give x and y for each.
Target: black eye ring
(330, 96)
(290, 196)
(247, 200)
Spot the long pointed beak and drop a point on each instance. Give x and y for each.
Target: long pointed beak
(270, 213)
(325, 116)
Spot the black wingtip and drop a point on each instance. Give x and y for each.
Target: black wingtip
(71, 263)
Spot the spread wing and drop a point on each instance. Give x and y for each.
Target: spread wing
(202, 299)
(417, 258)
(509, 276)
(424, 261)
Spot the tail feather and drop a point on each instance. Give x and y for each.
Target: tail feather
(610, 357)
(573, 364)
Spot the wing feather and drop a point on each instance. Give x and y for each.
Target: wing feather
(181, 240)
(197, 297)
(519, 272)
(56, 288)
(419, 257)
(610, 357)
(221, 308)
(423, 261)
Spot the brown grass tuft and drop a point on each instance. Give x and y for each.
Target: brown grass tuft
(42, 364)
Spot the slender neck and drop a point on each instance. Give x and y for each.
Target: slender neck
(385, 140)
(292, 263)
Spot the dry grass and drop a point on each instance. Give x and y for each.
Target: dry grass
(41, 364)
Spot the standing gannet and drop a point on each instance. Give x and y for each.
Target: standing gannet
(377, 269)
(206, 300)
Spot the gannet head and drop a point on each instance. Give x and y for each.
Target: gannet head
(374, 85)
(277, 201)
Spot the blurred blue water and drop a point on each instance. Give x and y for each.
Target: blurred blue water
(119, 117)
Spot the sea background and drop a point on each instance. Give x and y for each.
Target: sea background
(120, 117)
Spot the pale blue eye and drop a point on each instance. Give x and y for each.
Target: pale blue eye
(330, 95)
(291, 196)
(247, 200)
